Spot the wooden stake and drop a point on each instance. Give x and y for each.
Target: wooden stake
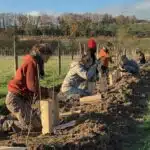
(55, 106)
(15, 56)
(97, 51)
(80, 49)
(72, 50)
(114, 77)
(59, 58)
(85, 49)
(110, 80)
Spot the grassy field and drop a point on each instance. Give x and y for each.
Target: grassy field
(51, 68)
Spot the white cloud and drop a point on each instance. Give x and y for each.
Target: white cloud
(143, 5)
(140, 9)
(39, 13)
(34, 13)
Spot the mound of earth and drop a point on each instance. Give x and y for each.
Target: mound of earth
(104, 126)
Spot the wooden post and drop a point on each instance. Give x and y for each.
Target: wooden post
(59, 58)
(15, 56)
(80, 49)
(97, 51)
(114, 77)
(117, 55)
(72, 50)
(55, 109)
(85, 49)
(110, 79)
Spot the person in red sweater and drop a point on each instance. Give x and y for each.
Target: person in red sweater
(23, 89)
(92, 47)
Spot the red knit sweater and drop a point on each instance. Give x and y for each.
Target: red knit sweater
(26, 79)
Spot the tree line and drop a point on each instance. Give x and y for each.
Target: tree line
(72, 25)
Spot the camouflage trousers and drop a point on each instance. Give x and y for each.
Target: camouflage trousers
(22, 110)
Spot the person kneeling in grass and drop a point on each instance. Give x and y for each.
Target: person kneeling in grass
(79, 73)
(23, 89)
(128, 65)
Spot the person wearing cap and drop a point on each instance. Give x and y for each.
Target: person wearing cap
(23, 89)
(92, 47)
(128, 65)
(79, 73)
(104, 58)
(140, 56)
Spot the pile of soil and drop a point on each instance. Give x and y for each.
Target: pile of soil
(103, 126)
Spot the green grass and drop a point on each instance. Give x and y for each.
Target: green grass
(145, 128)
(140, 140)
(52, 76)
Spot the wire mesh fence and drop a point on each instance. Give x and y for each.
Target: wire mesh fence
(56, 67)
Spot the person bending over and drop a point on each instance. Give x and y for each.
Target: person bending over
(129, 65)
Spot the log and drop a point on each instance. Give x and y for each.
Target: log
(90, 99)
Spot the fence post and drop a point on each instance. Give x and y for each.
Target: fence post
(72, 51)
(15, 56)
(80, 49)
(117, 54)
(85, 49)
(59, 58)
(97, 50)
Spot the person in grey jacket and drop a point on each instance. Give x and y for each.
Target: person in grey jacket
(129, 65)
(79, 73)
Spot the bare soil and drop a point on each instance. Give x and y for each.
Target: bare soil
(104, 126)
